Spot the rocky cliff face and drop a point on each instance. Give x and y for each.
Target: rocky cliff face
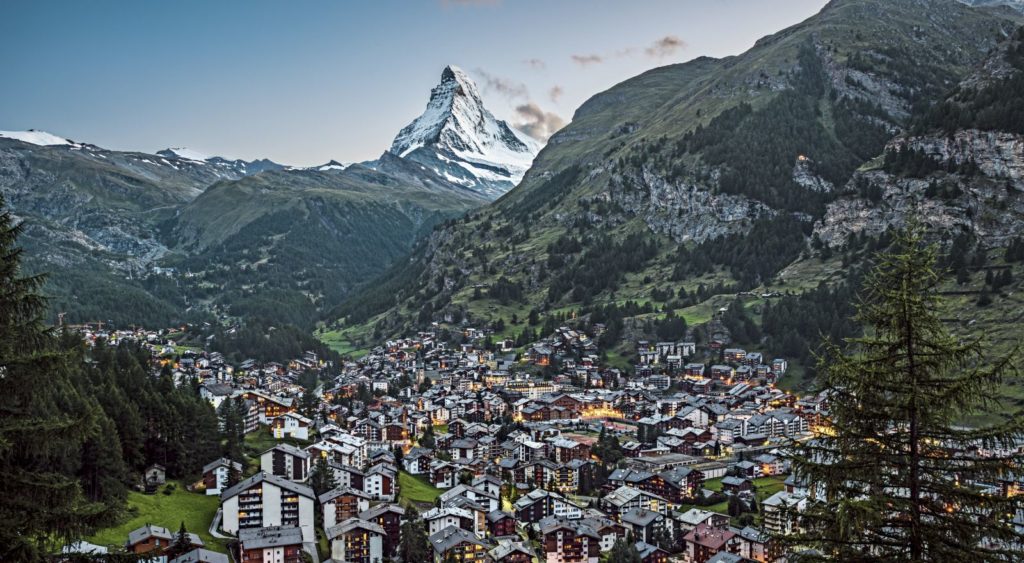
(990, 204)
(682, 210)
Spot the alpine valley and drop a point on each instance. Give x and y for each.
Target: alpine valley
(765, 308)
(737, 199)
(135, 238)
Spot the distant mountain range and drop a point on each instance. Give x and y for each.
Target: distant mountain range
(137, 238)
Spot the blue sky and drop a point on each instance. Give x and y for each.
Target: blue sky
(303, 82)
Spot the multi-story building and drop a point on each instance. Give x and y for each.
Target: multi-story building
(456, 544)
(570, 542)
(285, 460)
(356, 541)
(342, 503)
(267, 500)
(388, 517)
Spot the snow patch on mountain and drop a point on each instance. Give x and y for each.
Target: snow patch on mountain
(34, 137)
(457, 137)
(185, 153)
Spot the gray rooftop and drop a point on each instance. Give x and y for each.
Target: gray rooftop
(272, 536)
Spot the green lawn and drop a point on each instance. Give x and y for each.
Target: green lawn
(440, 429)
(339, 342)
(414, 488)
(169, 511)
(768, 486)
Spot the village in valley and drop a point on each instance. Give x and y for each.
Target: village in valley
(458, 453)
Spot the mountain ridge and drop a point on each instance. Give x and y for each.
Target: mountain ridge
(715, 172)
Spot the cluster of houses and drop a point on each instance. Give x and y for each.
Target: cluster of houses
(510, 450)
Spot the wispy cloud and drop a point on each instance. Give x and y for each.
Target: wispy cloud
(659, 49)
(555, 93)
(510, 89)
(665, 47)
(535, 64)
(536, 122)
(586, 60)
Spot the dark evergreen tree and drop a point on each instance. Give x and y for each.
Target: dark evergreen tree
(44, 422)
(414, 544)
(624, 551)
(895, 476)
(181, 543)
(322, 479)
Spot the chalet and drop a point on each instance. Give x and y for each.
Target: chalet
(509, 551)
(734, 355)
(216, 393)
(566, 450)
(272, 543)
(643, 524)
(442, 474)
(500, 523)
(722, 372)
(539, 504)
(291, 425)
(342, 503)
(389, 517)
(480, 496)
(781, 511)
(694, 370)
(456, 544)
(356, 541)
(704, 542)
(651, 553)
(756, 545)
(488, 484)
(270, 407)
(463, 448)
(737, 485)
(439, 518)
(417, 461)
(568, 541)
(695, 516)
(285, 460)
(770, 465)
(381, 482)
(217, 474)
(154, 539)
(625, 498)
(747, 469)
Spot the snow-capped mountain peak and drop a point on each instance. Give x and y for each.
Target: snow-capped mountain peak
(34, 137)
(460, 140)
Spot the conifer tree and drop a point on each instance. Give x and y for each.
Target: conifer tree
(44, 422)
(413, 544)
(322, 479)
(898, 477)
(181, 544)
(624, 551)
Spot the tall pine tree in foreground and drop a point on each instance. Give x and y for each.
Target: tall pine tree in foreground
(899, 477)
(44, 422)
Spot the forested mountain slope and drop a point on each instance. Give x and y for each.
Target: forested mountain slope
(676, 190)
